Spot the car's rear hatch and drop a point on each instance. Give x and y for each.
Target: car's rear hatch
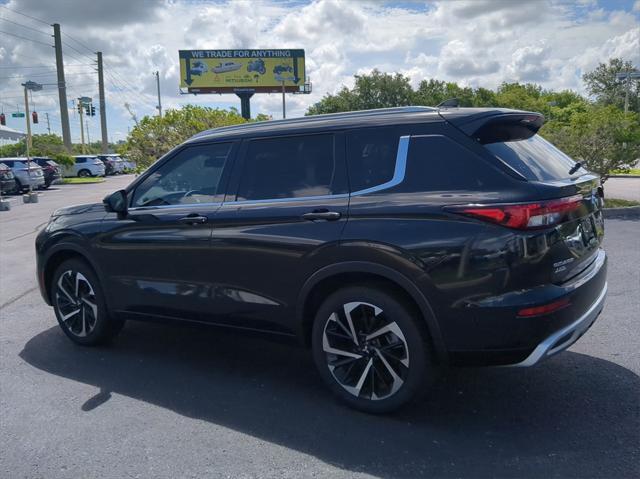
(568, 200)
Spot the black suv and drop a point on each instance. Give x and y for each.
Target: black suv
(389, 241)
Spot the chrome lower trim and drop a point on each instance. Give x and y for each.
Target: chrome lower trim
(549, 346)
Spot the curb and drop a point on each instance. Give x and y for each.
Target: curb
(627, 212)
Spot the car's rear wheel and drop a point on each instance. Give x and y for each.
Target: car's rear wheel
(19, 187)
(371, 349)
(79, 304)
(84, 173)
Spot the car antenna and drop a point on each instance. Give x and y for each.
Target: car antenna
(450, 103)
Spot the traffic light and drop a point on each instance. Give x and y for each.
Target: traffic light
(34, 117)
(79, 107)
(87, 110)
(93, 110)
(3, 120)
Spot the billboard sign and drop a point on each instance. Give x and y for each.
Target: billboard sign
(227, 71)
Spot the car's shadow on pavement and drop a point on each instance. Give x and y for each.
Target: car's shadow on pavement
(573, 416)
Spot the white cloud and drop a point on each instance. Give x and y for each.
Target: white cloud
(473, 42)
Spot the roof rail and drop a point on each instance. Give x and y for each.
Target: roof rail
(305, 119)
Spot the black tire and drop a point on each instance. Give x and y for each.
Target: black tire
(19, 187)
(404, 349)
(75, 287)
(84, 173)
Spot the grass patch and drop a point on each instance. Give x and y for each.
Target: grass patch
(631, 172)
(617, 203)
(82, 181)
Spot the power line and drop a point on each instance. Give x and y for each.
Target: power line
(25, 38)
(25, 15)
(25, 26)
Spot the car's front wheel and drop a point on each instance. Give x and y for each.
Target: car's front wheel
(79, 304)
(84, 173)
(371, 349)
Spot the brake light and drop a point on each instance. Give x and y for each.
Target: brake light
(522, 215)
(546, 309)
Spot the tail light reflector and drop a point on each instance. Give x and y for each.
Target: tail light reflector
(522, 215)
(545, 309)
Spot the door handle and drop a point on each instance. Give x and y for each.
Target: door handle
(193, 219)
(322, 215)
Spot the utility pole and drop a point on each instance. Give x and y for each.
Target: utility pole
(103, 108)
(86, 127)
(48, 124)
(62, 89)
(159, 107)
(284, 108)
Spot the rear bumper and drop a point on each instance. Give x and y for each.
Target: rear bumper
(562, 339)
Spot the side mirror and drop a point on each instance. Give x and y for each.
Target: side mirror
(116, 203)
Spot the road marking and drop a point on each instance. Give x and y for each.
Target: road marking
(20, 296)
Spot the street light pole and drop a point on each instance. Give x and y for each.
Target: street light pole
(29, 86)
(284, 107)
(628, 76)
(26, 114)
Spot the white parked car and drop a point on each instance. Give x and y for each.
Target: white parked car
(113, 163)
(86, 165)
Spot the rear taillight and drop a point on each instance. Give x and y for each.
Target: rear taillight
(540, 214)
(545, 309)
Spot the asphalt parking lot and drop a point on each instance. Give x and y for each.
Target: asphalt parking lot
(168, 402)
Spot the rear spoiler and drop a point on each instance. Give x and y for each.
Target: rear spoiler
(498, 126)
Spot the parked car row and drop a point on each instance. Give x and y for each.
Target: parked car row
(17, 174)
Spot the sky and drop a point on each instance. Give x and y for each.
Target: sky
(472, 42)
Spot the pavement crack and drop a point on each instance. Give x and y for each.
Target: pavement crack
(20, 296)
(35, 230)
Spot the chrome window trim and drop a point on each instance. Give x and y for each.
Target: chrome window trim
(398, 177)
(188, 205)
(399, 171)
(294, 198)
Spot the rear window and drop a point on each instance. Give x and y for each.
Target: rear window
(535, 158)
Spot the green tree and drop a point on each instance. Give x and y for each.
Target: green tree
(153, 136)
(42, 145)
(603, 85)
(603, 137)
(375, 90)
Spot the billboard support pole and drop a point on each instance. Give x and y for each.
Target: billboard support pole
(245, 106)
(284, 108)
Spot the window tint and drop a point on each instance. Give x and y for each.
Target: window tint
(437, 163)
(371, 156)
(81, 160)
(9, 163)
(291, 167)
(191, 176)
(535, 158)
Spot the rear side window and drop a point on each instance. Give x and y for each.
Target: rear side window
(8, 163)
(290, 167)
(535, 158)
(81, 160)
(371, 156)
(438, 163)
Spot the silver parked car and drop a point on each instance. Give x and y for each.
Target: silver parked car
(26, 173)
(85, 165)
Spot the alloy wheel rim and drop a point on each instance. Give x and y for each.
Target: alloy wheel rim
(76, 303)
(366, 352)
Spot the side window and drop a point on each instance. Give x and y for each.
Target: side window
(290, 167)
(81, 160)
(371, 156)
(191, 176)
(438, 163)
